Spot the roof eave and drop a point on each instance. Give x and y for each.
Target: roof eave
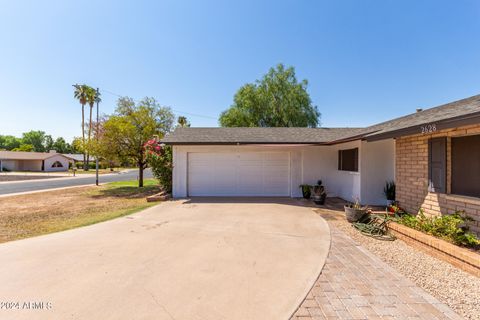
(240, 143)
(449, 123)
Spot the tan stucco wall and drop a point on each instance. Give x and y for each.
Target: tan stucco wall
(411, 176)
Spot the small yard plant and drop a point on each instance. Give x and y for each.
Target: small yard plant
(159, 157)
(389, 190)
(306, 190)
(451, 228)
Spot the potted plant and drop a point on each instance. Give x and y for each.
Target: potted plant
(354, 211)
(319, 193)
(389, 192)
(306, 190)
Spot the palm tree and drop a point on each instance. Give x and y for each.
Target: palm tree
(93, 96)
(80, 93)
(183, 122)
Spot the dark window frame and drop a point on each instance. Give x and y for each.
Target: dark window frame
(437, 165)
(465, 173)
(57, 164)
(348, 164)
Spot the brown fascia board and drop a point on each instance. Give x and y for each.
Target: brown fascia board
(349, 139)
(238, 143)
(449, 123)
(463, 120)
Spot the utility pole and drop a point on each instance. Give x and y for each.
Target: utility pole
(96, 156)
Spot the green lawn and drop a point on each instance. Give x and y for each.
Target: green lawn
(52, 211)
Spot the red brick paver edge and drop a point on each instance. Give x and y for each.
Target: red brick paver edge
(356, 284)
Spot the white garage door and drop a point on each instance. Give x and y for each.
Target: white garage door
(239, 174)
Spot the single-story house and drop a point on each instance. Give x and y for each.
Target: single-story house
(432, 155)
(33, 161)
(78, 157)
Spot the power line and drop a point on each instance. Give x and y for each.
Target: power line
(175, 110)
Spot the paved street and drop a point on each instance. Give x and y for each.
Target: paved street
(79, 180)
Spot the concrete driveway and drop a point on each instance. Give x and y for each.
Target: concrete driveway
(193, 259)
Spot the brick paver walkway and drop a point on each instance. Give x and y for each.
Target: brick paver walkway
(356, 284)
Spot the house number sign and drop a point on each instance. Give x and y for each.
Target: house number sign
(429, 128)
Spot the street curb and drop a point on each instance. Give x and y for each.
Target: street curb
(47, 190)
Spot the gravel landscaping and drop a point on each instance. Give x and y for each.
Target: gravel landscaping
(452, 286)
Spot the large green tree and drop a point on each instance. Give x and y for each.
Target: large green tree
(24, 148)
(125, 133)
(48, 143)
(9, 142)
(61, 146)
(276, 100)
(37, 139)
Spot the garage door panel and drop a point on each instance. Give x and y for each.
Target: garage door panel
(239, 174)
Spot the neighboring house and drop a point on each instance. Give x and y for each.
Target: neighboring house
(33, 161)
(77, 157)
(433, 156)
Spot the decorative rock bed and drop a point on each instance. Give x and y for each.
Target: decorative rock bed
(462, 258)
(459, 289)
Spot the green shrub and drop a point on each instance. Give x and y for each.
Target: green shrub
(451, 228)
(159, 158)
(91, 165)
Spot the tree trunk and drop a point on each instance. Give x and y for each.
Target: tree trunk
(140, 173)
(83, 137)
(89, 136)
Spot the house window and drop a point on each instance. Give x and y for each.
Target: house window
(57, 164)
(437, 165)
(466, 166)
(348, 160)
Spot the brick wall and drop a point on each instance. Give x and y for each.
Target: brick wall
(411, 177)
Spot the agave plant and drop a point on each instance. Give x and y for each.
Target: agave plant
(389, 190)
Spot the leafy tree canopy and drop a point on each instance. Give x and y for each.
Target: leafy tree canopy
(9, 142)
(277, 100)
(125, 133)
(36, 141)
(25, 147)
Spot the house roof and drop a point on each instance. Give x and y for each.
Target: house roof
(22, 155)
(461, 112)
(257, 135)
(77, 156)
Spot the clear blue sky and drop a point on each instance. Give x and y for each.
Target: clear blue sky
(366, 61)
